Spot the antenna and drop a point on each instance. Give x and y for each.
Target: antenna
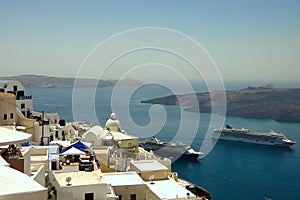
(68, 180)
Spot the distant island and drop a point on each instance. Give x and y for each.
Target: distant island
(282, 105)
(41, 81)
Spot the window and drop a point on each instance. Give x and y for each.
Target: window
(15, 88)
(22, 105)
(89, 196)
(53, 165)
(1, 89)
(120, 197)
(5, 117)
(133, 197)
(11, 115)
(28, 113)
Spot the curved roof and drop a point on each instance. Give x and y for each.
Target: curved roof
(6, 83)
(8, 136)
(95, 130)
(14, 182)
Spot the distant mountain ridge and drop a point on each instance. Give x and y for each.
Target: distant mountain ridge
(279, 104)
(42, 81)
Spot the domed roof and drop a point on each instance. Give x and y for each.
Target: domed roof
(97, 131)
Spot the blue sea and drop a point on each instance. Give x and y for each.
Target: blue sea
(230, 171)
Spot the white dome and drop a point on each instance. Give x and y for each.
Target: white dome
(94, 135)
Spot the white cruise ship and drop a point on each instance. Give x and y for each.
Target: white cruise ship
(245, 135)
(170, 150)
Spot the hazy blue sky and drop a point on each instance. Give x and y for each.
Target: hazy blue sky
(253, 39)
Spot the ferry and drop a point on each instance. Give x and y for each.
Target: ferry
(169, 150)
(245, 135)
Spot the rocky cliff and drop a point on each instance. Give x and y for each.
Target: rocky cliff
(281, 105)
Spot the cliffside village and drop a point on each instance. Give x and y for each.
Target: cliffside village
(44, 157)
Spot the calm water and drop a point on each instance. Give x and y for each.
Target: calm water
(230, 171)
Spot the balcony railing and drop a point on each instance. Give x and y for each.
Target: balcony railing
(24, 97)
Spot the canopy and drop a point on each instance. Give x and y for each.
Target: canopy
(78, 145)
(73, 151)
(8, 136)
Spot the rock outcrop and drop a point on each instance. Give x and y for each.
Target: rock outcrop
(281, 105)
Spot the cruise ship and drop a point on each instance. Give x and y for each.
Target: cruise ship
(169, 150)
(245, 135)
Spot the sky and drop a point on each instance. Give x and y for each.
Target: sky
(246, 39)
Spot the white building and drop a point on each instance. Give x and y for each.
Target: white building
(150, 169)
(127, 185)
(50, 128)
(81, 185)
(7, 109)
(130, 186)
(24, 103)
(96, 136)
(168, 190)
(19, 179)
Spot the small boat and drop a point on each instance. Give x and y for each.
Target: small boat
(169, 150)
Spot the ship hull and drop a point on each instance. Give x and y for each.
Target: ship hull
(173, 155)
(171, 152)
(254, 141)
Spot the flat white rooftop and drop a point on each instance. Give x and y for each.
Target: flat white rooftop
(123, 178)
(168, 189)
(101, 151)
(53, 157)
(60, 142)
(148, 165)
(53, 149)
(79, 178)
(122, 136)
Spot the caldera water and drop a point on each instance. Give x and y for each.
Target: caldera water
(231, 170)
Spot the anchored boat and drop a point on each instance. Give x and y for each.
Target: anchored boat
(169, 150)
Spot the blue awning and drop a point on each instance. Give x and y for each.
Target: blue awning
(78, 145)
